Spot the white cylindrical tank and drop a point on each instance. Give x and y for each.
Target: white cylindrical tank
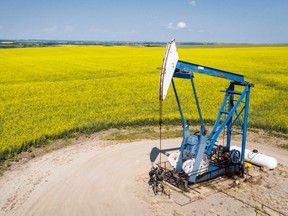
(257, 158)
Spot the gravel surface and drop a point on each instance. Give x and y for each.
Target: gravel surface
(92, 178)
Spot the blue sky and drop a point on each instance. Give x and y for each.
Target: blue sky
(223, 21)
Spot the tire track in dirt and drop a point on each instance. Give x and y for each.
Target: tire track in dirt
(84, 179)
(87, 179)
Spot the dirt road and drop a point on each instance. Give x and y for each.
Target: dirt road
(87, 179)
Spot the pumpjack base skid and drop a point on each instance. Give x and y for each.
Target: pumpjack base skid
(180, 181)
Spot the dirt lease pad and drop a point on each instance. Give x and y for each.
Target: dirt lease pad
(88, 179)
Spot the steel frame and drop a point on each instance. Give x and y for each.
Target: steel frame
(234, 109)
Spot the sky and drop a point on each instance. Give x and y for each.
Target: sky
(212, 21)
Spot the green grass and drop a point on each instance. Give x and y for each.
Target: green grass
(140, 133)
(55, 92)
(284, 146)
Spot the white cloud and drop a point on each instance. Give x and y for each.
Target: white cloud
(181, 25)
(49, 29)
(95, 30)
(193, 3)
(69, 28)
(201, 31)
(170, 26)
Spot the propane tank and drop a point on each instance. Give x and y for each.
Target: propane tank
(257, 158)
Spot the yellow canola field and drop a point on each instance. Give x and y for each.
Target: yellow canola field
(52, 92)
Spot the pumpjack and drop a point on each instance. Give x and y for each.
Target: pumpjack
(199, 157)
